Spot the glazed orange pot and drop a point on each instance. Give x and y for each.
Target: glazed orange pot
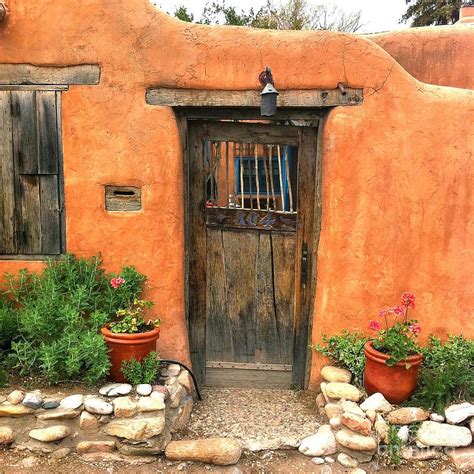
(396, 383)
(128, 346)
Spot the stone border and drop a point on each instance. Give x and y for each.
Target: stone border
(136, 421)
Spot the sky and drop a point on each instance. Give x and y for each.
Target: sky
(377, 15)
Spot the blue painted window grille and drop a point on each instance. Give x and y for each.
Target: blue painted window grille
(249, 181)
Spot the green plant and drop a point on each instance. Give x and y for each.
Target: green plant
(397, 340)
(447, 373)
(132, 319)
(57, 315)
(394, 445)
(146, 371)
(346, 350)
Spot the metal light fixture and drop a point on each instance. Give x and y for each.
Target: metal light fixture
(268, 104)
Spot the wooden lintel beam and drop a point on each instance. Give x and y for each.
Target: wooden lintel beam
(301, 98)
(28, 74)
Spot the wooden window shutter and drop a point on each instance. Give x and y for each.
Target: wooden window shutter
(30, 173)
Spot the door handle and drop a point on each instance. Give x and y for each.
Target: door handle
(304, 264)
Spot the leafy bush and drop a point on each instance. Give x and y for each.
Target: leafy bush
(57, 317)
(395, 445)
(346, 350)
(145, 371)
(447, 373)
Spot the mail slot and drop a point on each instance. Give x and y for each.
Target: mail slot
(123, 198)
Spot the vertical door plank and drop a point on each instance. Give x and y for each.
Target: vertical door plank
(7, 178)
(50, 215)
(47, 132)
(240, 250)
(25, 139)
(197, 251)
(30, 215)
(218, 329)
(283, 251)
(268, 341)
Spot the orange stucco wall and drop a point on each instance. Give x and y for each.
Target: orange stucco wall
(443, 55)
(398, 206)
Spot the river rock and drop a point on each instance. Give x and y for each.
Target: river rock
(220, 451)
(73, 402)
(32, 400)
(463, 458)
(381, 428)
(411, 453)
(335, 422)
(15, 410)
(124, 407)
(351, 407)
(323, 443)
(6, 435)
(356, 423)
(456, 414)
(376, 402)
(405, 416)
(371, 415)
(356, 441)
(185, 380)
(60, 453)
(50, 434)
(177, 396)
(98, 406)
(347, 461)
(95, 447)
(335, 374)
(50, 404)
(403, 434)
(144, 389)
(437, 418)
(115, 389)
(321, 403)
(136, 429)
(442, 434)
(155, 402)
(340, 390)
(332, 410)
(361, 456)
(317, 460)
(88, 421)
(58, 415)
(16, 397)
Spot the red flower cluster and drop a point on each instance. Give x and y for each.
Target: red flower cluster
(415, 328)
(116, 282)
(408, 300)
(375, 326)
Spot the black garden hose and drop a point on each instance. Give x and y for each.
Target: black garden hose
(171, 361)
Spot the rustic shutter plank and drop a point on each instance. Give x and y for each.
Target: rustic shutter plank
(25, 142)
(7, 178)
(47, 132)
(50, 215)
(30, 215)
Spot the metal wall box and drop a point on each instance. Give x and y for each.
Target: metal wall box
(123, 198)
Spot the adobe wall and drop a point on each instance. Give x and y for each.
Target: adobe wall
(397, 170)
(442, 55)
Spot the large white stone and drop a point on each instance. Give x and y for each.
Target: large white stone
(136, 429)
(351, 407)
(98, 406)
(442, 434)
(144, 389)
(335, 374)
(323, 443)
(355, 441)
(376, 402)
(347, 461)
(73, 402)
(343, 390)
(456, 414)
(407, 415)
(50, 434)
(115, 389)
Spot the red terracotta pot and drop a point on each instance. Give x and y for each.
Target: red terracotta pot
(128, 346)
(396, 383)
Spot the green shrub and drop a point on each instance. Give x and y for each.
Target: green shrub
(145, 371)
(395, 445)
(346, 350)
(447, 373)
(57, 316)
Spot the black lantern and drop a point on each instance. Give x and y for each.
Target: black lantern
(268, 105)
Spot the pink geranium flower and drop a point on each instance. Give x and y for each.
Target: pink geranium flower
(408, 300)
(415, 328)
(116, 282)
(375, 326)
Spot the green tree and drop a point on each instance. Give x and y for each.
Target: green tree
(181, 13)
(433, 12)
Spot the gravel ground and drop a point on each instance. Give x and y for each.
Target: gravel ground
(261, 419)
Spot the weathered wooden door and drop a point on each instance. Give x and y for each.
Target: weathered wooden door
(251, 200)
